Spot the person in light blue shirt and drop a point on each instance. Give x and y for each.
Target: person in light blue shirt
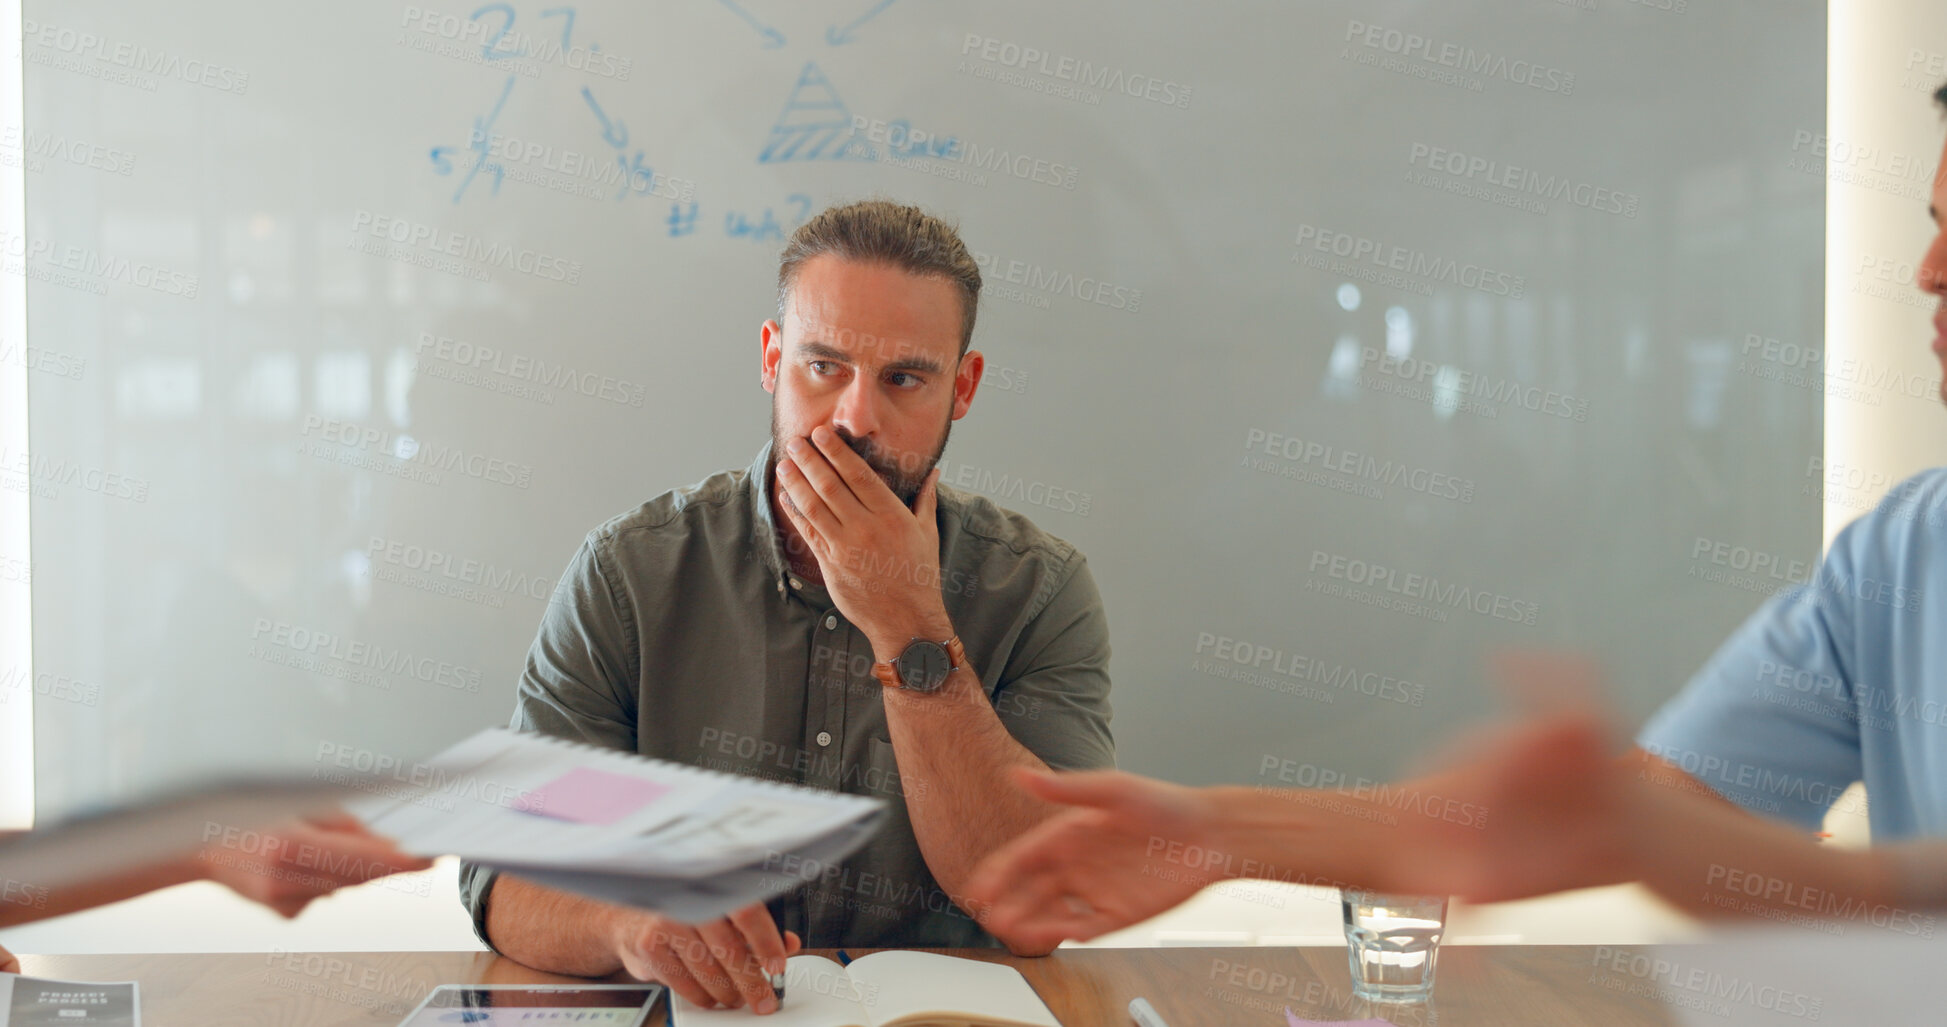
(1841, 679)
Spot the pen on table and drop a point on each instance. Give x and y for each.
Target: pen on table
(1144, 1014)
(843, 959)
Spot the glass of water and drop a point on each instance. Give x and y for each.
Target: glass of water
(1392, 942)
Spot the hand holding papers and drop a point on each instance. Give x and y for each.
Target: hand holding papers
(282, 843)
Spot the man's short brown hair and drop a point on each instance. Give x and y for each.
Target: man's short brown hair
(893, 234)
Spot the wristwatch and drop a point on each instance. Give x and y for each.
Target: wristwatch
(923, 666)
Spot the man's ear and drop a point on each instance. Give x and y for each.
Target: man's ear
(771, 336)
(966, 382)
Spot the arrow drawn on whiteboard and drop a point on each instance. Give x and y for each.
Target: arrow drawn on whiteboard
(837, 36)
(480, 145)
(772, 37)
(615, 133)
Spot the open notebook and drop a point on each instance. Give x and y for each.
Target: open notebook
(890, 989)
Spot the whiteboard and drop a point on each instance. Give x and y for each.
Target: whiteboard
(1348, 340)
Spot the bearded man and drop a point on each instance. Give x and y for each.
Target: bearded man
(831, 616)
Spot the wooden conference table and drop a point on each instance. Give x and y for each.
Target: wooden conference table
(1560, 986)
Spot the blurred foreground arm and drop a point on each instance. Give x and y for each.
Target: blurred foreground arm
(1535, 809)
(284, 870)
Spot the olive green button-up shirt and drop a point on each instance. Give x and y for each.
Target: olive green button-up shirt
(678, 631)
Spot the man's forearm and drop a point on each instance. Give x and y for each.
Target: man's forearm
(1302, 836)
(553, 930)
(1723, 863)
(37, 904)
(954, 757)
(1711, 858)
(1686, 843)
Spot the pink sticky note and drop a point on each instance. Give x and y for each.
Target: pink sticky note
(587, 796)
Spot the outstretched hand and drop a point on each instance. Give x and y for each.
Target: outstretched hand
(303, 861)
(1126, 849)
(1529, 809)
(1555, 813)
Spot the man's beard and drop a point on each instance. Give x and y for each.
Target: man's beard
(904, 482)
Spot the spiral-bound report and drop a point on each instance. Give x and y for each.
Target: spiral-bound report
(688, 842)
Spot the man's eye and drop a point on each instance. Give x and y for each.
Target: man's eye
(903, 379)
(821, 367)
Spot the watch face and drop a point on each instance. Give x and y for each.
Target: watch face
(924, 666)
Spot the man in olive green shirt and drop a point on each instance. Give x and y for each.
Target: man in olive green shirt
(829, 616)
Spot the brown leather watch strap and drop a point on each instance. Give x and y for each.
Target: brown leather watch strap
(956, 653)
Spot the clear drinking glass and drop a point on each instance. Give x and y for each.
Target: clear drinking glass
(1392, 942)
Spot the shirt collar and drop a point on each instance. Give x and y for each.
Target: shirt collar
(757, 481)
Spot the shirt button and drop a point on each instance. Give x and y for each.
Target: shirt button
(830, 622)
(795, 583)
(824, 738)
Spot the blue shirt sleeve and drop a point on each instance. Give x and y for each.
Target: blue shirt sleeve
(1769, 721)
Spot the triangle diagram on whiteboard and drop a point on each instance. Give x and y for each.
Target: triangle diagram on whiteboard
(815, 125)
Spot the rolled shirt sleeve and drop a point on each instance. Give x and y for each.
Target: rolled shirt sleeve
(1773, 721)
(1054, 692)
(1728, 728)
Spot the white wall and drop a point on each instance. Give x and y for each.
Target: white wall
(1886, 59)
(16, 626)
